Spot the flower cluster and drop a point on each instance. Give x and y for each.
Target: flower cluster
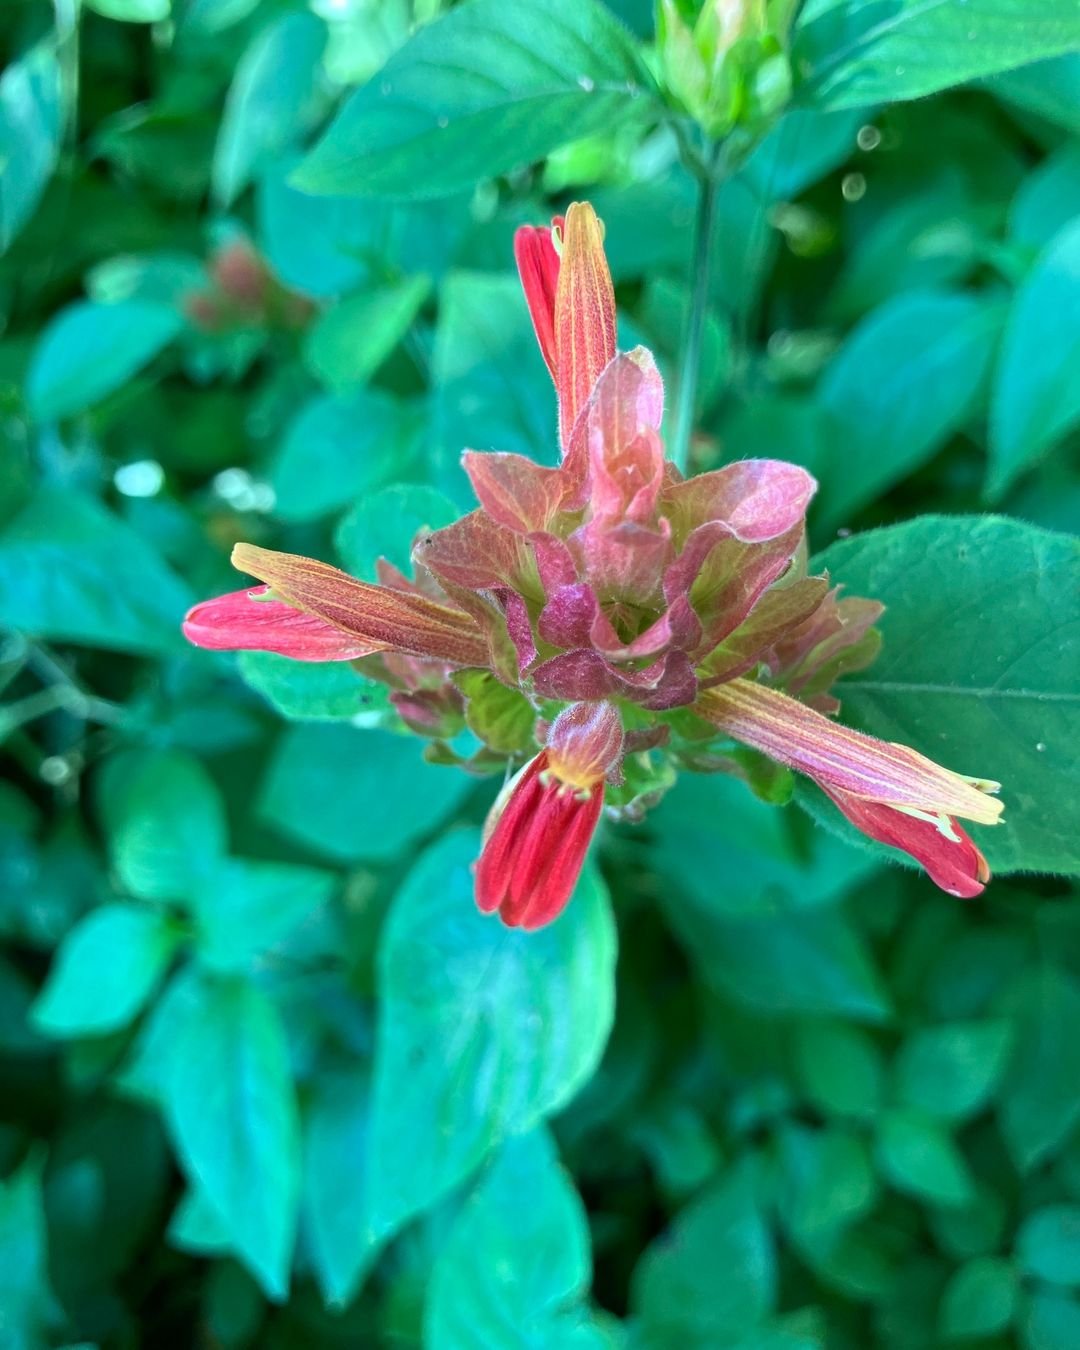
(624, 614)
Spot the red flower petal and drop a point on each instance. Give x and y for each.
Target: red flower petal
(240, 621)
(538, 267)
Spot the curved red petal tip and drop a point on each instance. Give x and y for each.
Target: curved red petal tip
(534, 854)
(538, 268)
(243, 621)
(956, 865)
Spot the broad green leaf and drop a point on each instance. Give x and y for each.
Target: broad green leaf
(802, 148)
(1050, 89)
(107, 968)
(352, 339)
(71, 571)
(313, 691)
(164, 822)
(232, 1114)
(385, 523)
(270, 100)
(159, 278)
(1048, 200)
(337, 449)
(485, 88)
(353, 795)
(1039, 1105)
(334, 1205)
(27, 1306)
(30, 126)
(828, 1181)
(195, 1227)
(492, 389)
(938, 343)
(246, 908)
(848, 53)
(483, 1031)
(982, 639)
(979, 1300)
(483, 1293)
(1036, 392)
(951, 1071)
(1049, 1321)
(1048, 1244)
(712, 1276)
(919, 1157)
(132, 11)
(839, 1067)
(88, 351)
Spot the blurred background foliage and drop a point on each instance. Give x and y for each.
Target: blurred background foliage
(266, 1079)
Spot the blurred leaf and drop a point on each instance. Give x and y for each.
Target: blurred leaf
(335, 1202)
(1048, 200)
(981, 640)
(801, 149)
(164, 822)
(25, 1296)
(356, 794)
(269, 100)
(384, 524)
(711, 1277)
(88, 351)
(482, 1292)
(980, 1299)
(848, 53)
(337, 449)
(938, 343)
(246, 908)
(232, 1113)
(30, 126)
(829, 1181)
(107, 968)
(951, 1071)
(1050, 1321)
(73, 572)
(1048, 1244)
(1038, 1106)
(483, 89)
(352, 339)
(1037, 394)
(132, 11)
(1050, 88)
(312, 691)
(921, 1159)
(483, 1031)
(840, 1068)
(195, 1227)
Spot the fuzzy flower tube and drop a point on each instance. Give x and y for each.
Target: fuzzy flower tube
(628, 622)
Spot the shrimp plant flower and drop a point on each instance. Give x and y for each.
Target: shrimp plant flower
(602, 624)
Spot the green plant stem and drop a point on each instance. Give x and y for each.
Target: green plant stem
(690, 364)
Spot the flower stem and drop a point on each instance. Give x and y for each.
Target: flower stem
(690, 365)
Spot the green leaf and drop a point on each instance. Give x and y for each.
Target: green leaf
(1039, 1105)
(232, 1114)
(829, 1182)
(352, 339)
(1048, 1244)
(979, 1300)
(25, 1296)
(1050, 1321)
(483, 89)
(501, 717)
(712, 1276)
(982, 638)
(246, 908)
(313, 691)
(936, 342)
(132, 11)
(951, 1071)
(483, 1031)
(384, 524)
(337, 449)
(73, 572)
(1048, 200)
(483, 1293)
(921, 1159)
(1036, 393)
(336, 1121)
(270, 100)
(31, 122)
(839, 1067)
(354, 795)
(106, 970)
(88, 351)
(848, 53)
(1050, 89)
(164, 821)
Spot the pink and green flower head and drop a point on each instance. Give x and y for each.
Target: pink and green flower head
(634, 615)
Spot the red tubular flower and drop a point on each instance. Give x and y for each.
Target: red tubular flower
(254, 621)
(540, 829)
